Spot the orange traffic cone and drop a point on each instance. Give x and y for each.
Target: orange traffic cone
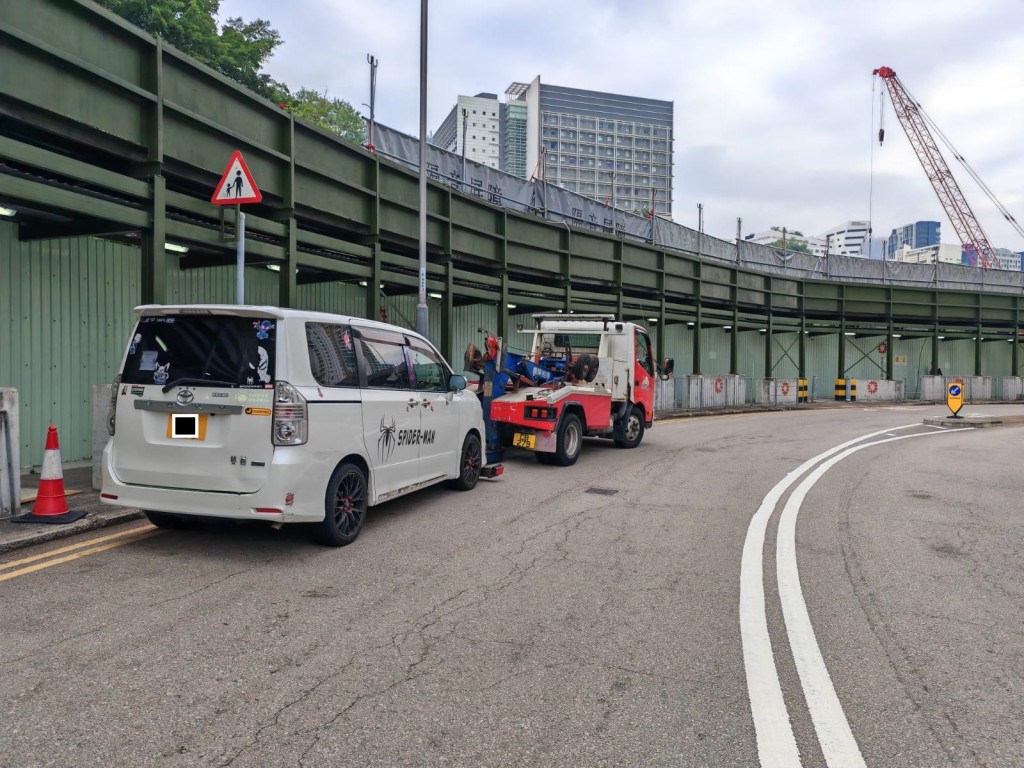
(51, 503)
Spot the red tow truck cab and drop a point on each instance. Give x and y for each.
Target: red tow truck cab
(584, 375)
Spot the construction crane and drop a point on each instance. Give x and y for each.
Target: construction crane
(915, 123)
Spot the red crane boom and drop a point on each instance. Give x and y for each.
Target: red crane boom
(976, 243)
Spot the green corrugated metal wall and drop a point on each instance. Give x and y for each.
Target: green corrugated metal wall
(65, 312)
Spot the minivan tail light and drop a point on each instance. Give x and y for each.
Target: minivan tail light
(291, 421)
(112, 411)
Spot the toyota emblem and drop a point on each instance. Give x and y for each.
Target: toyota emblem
(185, 396)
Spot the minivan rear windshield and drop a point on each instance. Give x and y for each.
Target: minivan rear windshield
(207, 350)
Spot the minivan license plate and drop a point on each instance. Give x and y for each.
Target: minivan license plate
(524, 440)
(187, 426)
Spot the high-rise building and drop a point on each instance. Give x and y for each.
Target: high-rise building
(943, 253)
(846, 239)
(616, 149)
(920, 234)
(1007, 259)
(613, 148)
(473, 123)
(514, 126)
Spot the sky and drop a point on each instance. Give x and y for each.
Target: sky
(776, 110)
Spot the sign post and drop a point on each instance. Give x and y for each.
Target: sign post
(237, 186)
(955, 398)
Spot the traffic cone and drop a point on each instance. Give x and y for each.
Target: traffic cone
(51, 503)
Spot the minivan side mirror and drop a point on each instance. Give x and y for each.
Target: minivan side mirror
(457, 382)
(668, 367)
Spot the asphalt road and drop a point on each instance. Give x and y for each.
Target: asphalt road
(588, 616)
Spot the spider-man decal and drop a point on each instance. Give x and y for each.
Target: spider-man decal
(386, 441)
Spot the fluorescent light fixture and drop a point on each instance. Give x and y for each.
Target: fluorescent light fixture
(511, 306)
(941, 338)
(897, 336)
(849, 333)
(274, 267)
(362, 283)
(762, 330)
(690, 324)
(5, 211)
(436, 295)
(652, 319)
(726, 327)
(175, 248)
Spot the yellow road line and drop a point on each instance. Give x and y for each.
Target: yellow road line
(85, 553)
(73, 547)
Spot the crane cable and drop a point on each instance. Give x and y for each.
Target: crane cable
(963, 162)
(871, 164)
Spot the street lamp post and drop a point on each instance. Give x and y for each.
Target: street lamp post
(422, 314)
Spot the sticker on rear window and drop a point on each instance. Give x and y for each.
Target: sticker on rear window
(263, 328)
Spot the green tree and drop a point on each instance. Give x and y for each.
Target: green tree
(333, 115)
(238, 50)
(791, 245)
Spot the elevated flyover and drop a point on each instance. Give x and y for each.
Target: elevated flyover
(107, 133)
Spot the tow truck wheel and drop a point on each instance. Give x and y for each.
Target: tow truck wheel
(570, 440)
(469, 465)
(633, 429)
(344, 507)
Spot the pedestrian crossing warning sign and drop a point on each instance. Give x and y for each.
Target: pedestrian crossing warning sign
(236, 186)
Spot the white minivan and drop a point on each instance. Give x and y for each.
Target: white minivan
(262, 413)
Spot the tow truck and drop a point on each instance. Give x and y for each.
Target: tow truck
(585, 375)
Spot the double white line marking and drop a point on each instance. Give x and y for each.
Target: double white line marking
(776, 744)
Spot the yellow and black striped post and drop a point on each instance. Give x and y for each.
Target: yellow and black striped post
(801, 390)
(841, 389)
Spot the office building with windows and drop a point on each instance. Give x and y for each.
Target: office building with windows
(846, 239)
(473, 123)
(614, 148)
(920, 234)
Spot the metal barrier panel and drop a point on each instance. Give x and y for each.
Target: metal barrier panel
(100, 410)
(933, 389)
(10, 460)
(1013, 388)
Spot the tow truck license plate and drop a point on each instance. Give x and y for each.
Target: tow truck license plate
(524, 440)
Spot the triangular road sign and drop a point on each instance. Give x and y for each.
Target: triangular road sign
(236, 186)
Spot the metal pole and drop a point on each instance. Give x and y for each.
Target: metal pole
(372, 60)
(422, 314)
(465, 117)
(240, 257)
(739, 235)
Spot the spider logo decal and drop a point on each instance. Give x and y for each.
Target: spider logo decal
(386, 441)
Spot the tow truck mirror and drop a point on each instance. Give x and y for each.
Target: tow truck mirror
(457, 382)
(668, 367)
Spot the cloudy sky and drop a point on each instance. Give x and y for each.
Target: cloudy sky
(776, 108)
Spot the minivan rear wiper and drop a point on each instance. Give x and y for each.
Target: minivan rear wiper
(187, 380)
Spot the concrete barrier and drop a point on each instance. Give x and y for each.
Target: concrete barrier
(878, 390)
(10, 454)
